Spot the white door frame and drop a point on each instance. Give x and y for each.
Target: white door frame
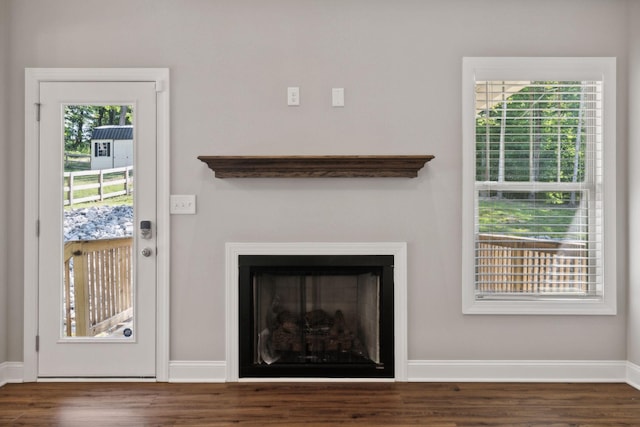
(33, 77)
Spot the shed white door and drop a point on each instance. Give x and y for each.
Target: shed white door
(96, 291)
(122, 153)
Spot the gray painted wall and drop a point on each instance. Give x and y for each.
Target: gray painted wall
(634, 186)
(400, 65)
(4, 181)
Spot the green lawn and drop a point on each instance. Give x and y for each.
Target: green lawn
(525, 218)
(75, 161)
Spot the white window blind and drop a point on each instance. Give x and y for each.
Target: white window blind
(538, 170)
(536, 178)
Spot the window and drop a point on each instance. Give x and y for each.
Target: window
(102, 149)
(539, 186)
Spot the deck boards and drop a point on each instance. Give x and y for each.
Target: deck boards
(319, 404)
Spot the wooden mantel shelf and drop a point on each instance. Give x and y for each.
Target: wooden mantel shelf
(315, 166)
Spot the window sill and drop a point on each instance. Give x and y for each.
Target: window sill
(578, 307)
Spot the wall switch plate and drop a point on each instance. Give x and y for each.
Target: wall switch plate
(183, 204)
(293, 96)
(337, 97)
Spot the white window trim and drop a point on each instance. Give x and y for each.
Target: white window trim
(514, 68)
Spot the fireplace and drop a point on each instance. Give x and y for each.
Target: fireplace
(311, 316)
(306, 310)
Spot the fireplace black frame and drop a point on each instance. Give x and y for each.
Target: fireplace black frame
(249, 265)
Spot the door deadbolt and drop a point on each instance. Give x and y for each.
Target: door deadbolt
(145, 229)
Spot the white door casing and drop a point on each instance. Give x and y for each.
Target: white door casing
(160, 79)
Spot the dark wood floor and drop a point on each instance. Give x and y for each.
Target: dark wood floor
(319, 404)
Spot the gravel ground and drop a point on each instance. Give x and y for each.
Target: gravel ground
(98, 222)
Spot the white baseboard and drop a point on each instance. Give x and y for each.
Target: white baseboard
(633, 375)
(460, 370)
(517, 371)
(427, 371)
(11, 372)
(197, 371)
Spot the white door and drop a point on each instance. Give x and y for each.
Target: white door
(122, 153)
(97, 278)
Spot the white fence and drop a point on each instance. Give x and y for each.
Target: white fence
(123, 177)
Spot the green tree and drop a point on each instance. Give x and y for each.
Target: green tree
(80, 120)
(533, 135)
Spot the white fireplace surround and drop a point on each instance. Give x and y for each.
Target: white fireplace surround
(397, 249)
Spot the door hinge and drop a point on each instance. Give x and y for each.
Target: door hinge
(38, 111)
(37, 342)
(37, 228)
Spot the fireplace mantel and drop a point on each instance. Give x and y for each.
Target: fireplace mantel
(381, 166)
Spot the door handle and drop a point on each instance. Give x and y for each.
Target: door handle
(146, 252)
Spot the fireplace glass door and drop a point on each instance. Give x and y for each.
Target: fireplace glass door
(310, 316)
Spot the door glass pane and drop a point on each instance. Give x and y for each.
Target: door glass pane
(97, 295)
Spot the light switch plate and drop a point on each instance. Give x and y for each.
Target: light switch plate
(183, 204)
(337, 97)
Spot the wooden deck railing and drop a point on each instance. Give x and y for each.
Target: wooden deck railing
(512, 264)
(101, 285)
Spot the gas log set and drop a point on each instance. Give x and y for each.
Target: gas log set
(316, 335)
